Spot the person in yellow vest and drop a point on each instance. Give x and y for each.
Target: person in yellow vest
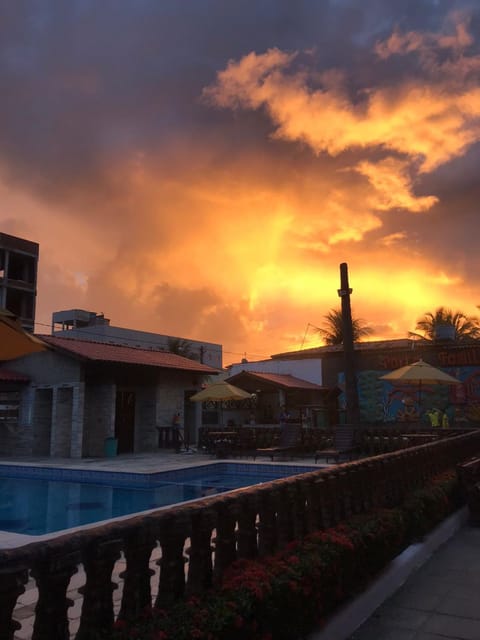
(445, 421)
(434, 416)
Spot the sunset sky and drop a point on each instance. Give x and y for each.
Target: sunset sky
(201, 168)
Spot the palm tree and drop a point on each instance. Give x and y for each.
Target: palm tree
(332, 329)
(466, 328)
(182, 348)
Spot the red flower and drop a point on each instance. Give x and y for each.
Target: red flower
(120, 624)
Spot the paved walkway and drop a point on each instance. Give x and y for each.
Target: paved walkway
(429, 592)
(439, 601)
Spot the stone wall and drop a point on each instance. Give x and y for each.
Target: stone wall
(99, 418)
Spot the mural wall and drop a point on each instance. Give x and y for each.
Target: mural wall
(381, 401)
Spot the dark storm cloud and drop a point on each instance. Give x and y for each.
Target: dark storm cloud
(84, 80)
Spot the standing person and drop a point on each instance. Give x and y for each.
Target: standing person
(177, 435)
(284, 416)
(434, 416)
(445, 421)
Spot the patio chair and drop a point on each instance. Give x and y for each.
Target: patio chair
(289, 441)
(343, 445)
(245, 442)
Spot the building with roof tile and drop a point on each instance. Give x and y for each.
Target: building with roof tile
(90, 325)
(381, 401)
(78, 394)
(294, 383)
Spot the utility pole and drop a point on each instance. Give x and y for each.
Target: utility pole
(351, 392)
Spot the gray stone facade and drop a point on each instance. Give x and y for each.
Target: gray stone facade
(70, 406)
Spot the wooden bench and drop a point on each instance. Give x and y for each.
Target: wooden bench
(468, 473)
(343, 445)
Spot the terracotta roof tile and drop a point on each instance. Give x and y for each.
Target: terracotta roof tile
(280, 379)
(371, 345)
(12, 376)
(105, 352)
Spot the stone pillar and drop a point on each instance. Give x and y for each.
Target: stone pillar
(113, 404)
(62, 418)
(53, 432)
(76, 442)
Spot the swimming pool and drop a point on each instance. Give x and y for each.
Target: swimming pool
(39, 500)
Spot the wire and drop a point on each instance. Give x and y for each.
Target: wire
(242, 354)
(309, 324)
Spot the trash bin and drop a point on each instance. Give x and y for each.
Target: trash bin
(110, 447)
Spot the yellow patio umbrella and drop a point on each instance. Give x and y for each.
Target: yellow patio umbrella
(220, 392)
(420, 373)
(14, 340)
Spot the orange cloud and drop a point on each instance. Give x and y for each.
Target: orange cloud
(455, 37)
(429, 123)
(393, 186)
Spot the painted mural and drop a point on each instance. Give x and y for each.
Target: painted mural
(382, 402)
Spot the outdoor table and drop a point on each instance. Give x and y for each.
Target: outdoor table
(222, 442)
(168, 437)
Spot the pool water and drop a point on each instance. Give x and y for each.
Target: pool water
(40, 505)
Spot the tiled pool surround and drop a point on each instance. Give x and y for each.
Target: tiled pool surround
(121, 478)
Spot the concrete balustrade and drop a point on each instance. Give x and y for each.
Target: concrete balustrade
(200, 540)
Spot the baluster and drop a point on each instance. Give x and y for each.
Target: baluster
(136, 597)
(97, 610)
(267, 525)
(324, 502)
(345, 492)
(356, 487)
(52, 574)
(225, 540)
(334, 498)
(313, 515)
(247, 530)
(370, 468)
(398, 485)
(200, 566)
(285, 506)
(298, 492)
(173, 532)
(12, 581)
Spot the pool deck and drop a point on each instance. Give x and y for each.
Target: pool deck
(163, 460)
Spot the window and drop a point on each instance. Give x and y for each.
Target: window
(9, 404)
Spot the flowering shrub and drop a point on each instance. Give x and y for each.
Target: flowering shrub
(285, 596)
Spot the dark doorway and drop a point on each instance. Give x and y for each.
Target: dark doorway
(125, 421)
(42, 421)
